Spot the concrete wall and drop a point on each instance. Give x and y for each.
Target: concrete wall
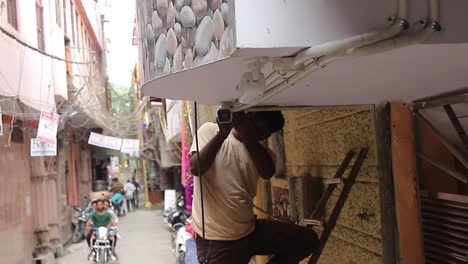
(316, 142)
(16, 231)
(46, 77)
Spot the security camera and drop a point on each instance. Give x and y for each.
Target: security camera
(225, 114)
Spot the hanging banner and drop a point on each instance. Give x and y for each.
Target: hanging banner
(105, 141)
(96, 139)
(130, 146)
(48, 125)
(1, 123)
(40, 148)
(112, 143)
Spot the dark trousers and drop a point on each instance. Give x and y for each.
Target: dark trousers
(130, 203)
(288, 243)
(136, 200)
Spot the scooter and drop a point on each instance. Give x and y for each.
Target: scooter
(180, 248)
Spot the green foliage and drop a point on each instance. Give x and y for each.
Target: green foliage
(122, 109)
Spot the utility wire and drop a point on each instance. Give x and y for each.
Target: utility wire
(4, 31)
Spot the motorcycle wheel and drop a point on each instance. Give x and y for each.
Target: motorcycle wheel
(78, 233)
(180, 258)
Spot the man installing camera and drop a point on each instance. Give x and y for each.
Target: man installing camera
(231, 158)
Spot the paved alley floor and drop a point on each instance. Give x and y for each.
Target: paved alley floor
(144, 239)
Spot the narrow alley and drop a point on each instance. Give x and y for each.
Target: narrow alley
(144, 239)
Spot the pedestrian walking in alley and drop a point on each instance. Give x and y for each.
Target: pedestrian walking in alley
(137, 191)
(130, 189)
(229, 162)
(117, 199)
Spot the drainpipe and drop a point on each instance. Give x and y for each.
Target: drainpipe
(432, 25)
(73, 169)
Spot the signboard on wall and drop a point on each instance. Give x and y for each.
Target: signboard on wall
(40, 148)
(48, 125)
(169, 199)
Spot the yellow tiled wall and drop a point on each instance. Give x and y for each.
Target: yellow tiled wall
(316, 141)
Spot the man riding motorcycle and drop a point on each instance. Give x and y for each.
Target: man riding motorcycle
(101, 217)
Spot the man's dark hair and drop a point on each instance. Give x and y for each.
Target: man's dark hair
(275, 119)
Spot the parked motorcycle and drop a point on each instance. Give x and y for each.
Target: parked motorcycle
(180, 249)
(102, 249)
(79, 222)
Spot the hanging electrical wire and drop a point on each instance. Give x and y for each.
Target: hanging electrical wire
(24, 44)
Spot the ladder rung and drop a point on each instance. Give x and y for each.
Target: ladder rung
(313, 222)
(333, 181)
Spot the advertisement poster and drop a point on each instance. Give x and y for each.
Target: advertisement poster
(40, 148)
(281, 203)
(169, 199)
(48, 125)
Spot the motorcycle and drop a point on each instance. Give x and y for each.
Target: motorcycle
(79, 222)
(180, 249)
(102, 249)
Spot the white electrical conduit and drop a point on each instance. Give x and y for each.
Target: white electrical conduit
(399, 24)
(382, 46)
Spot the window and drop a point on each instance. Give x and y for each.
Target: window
(40, 25)
(12, 13)
(58, 17)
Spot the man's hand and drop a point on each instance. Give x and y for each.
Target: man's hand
(224, 129)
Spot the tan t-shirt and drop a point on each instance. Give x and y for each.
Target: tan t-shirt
(229, 187)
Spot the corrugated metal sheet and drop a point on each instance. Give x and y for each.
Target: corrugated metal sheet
(445, 226)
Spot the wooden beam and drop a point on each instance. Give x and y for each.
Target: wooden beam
(408, 211)
(386, 188)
